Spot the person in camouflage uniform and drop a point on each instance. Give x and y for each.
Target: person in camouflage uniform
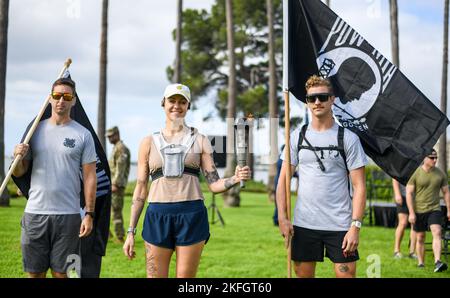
(119, 163)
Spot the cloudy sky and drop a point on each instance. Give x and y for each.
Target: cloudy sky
(43, 33)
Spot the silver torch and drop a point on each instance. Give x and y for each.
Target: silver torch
(241, 132)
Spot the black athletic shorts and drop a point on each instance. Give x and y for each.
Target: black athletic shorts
(425, 220)
(403, 208)
(308, 246)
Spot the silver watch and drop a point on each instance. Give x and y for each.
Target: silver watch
(356, 223)
(131, 230)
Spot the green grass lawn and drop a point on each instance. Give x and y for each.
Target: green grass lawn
(249, 245)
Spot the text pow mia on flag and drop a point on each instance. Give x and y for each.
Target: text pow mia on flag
(396, 123)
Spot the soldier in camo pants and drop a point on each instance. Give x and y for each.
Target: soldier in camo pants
(119, 163)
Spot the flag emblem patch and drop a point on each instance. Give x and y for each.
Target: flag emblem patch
(69, 143)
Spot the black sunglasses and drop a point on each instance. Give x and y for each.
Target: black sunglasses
(432, 157)
(322, 97)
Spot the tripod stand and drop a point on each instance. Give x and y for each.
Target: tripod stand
(214, 210)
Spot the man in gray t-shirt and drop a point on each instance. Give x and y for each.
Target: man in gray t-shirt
(324, 202)
(328, 214)
(62, 152)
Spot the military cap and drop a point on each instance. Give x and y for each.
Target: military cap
(112, 131)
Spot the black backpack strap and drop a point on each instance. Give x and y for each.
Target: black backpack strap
(341, 149)
(302, 137)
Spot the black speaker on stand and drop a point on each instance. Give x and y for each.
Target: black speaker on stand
(219, 145)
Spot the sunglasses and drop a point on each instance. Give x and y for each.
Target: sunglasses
(65, 96)
(432, 157)
(322, 97)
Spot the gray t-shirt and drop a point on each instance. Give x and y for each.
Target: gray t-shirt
(324, 202)
(58, 152)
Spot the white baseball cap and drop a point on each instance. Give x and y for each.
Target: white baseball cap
(180, 89)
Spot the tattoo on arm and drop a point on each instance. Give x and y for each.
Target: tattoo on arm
(138, 199)
(229, 183)
(212, 176)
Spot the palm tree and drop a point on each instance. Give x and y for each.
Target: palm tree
(101, 124)
(394, 32)
(231, 197)
(177, 69)
(4, 7)
(273, 102)
(443, 139)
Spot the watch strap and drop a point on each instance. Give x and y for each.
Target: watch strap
(131, 230)
(356, 223)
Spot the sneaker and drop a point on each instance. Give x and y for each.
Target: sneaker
(439, 266)
(397, 255)
(412, 255)
(421, 266)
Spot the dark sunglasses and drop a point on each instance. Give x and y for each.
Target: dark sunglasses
(432, 157)
(65, 96)
(322, 97)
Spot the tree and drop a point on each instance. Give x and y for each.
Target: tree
(443, 139)
(394, 32)
(101, 124)
(4, 8)
(231, 197)
(273, 101)
(177, 67)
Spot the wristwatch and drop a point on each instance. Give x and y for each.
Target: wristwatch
(90, 213)
(131, 230)
(356, 223)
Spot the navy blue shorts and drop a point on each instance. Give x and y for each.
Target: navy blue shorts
(176, 224)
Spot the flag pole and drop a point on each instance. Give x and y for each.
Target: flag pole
(31, 130)
(287, 128)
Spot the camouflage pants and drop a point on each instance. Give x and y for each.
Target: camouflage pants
(116, 207)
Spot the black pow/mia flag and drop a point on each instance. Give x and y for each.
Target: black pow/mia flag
(100, 230)
(396, 123)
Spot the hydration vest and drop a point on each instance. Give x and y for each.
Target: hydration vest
(314, 149)
(173, 156)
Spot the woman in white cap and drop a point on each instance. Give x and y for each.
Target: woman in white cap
(176, 219)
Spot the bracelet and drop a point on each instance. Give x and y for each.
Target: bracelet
(131, 230)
